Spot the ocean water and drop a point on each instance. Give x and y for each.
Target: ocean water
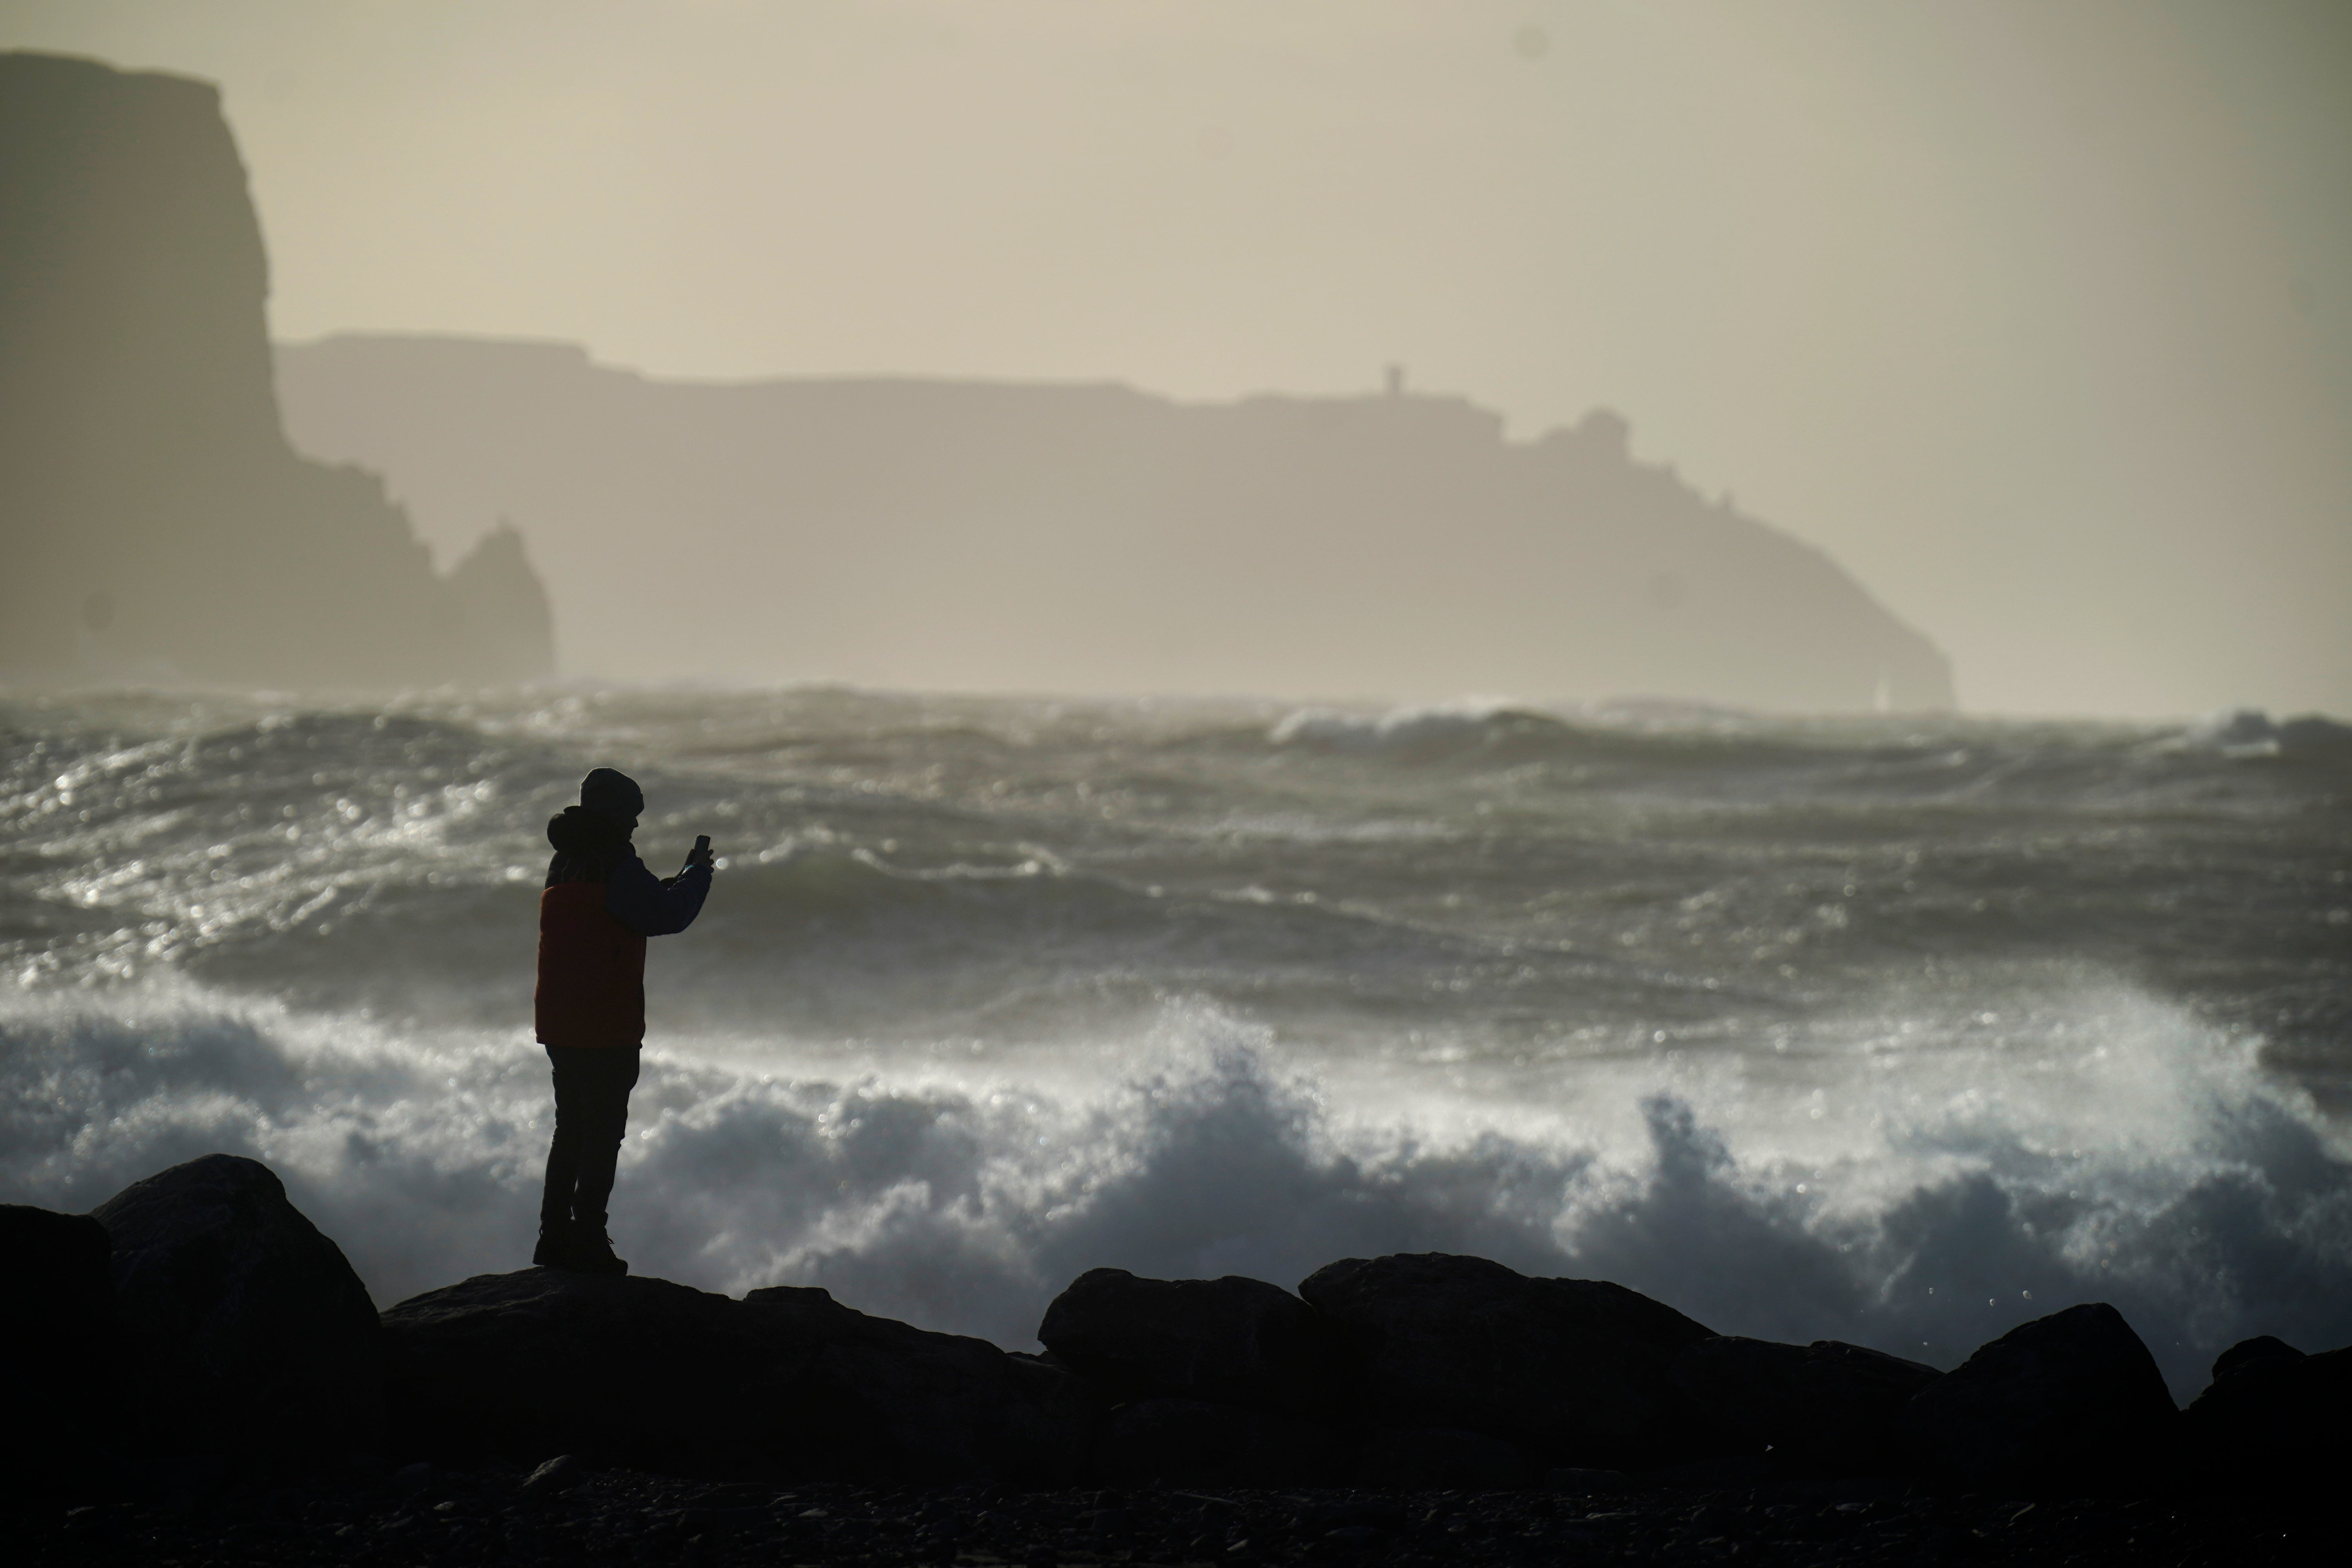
(1894, 1030)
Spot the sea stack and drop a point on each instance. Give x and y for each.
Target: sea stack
(154, 524)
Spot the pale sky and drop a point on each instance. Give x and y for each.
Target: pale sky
(2037, 316)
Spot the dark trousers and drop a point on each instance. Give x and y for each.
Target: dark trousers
(592, 1114)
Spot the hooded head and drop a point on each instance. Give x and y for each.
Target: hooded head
(614, 796)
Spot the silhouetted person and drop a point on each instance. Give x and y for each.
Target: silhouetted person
(599, 906)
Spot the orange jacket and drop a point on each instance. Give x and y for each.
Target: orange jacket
(591, 972)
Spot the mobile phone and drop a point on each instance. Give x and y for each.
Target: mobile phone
(701, 846)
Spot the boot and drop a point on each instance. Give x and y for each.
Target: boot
(555, 1245)
(591, 1253)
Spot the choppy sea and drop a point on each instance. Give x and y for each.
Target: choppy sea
(1894, 1030)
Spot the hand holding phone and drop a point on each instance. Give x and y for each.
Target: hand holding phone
(702, 855)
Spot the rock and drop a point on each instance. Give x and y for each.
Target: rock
(1829, 1407)
(1351, 1542)
(1433, 1458)
(1231, 1340)
(1566, 1479)
(1191, 1442)
(1717, 1473)
(2273, 1417)
(2262, 1350)
(1389, 1513)
(58, 1345)
(2071, 1402)
(638, 1371)
(58, 1266)
(559, 1474)
(1574, 1371)
(506, 607)
(250, 1324)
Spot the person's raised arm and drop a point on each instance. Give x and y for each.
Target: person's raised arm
(651, 906)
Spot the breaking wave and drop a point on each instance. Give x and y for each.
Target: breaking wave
(2250, 732)
(1437, 729)
(2162, 1173)
(1896, 1030)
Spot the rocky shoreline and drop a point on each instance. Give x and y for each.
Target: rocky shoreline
(494, 1515)
(199, 1378)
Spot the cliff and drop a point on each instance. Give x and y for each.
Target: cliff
(975, 536)
(153, 522)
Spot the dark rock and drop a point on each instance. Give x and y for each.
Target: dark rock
(257, 1334)
(1351, 1541)
(2261, 1350)
(57, 1348)
(1432, 1458)
(640, 1371)
(57, 1267)
(2273, 1417)
(1716, 1472)
(179, 1483)
(1231, 1340)
(1192, 1442)
(1388, 1513)
(1828, 1407)
(1574, 1371)
(559, 1474)
(722, 1522)
(2071, 1402)
(1569, 1479)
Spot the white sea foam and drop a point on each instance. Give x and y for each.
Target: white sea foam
(1922, 1207)
(2250, 732)
(1457, 722)
(1866, 1030)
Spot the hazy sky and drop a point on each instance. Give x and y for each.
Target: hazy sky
(2038, 316)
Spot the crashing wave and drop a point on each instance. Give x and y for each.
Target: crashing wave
(2204, 1204)
(1435, 730)
(2250, 733)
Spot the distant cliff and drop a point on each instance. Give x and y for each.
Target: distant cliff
(1092, 538)
(154, 524)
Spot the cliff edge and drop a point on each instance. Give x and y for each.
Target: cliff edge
(154, 524)
(978, 536)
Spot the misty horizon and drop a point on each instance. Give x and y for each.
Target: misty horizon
(2035, 323)
(167, 526)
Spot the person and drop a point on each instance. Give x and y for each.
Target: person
(597, 908)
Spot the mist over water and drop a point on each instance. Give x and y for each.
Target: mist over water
(1889, 1030)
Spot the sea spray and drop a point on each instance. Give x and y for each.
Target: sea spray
(960, 1203)
(1899, 1031)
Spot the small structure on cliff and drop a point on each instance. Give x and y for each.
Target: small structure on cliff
(154, 524)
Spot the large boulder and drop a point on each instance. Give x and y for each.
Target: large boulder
(58, 1354)
(786, 1382)
(248, 1325)
(1827, 1407)
(1231, 1340)
(2273, 1416)
(60, 1294)
(2068, 1402)
(1574, 1371)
